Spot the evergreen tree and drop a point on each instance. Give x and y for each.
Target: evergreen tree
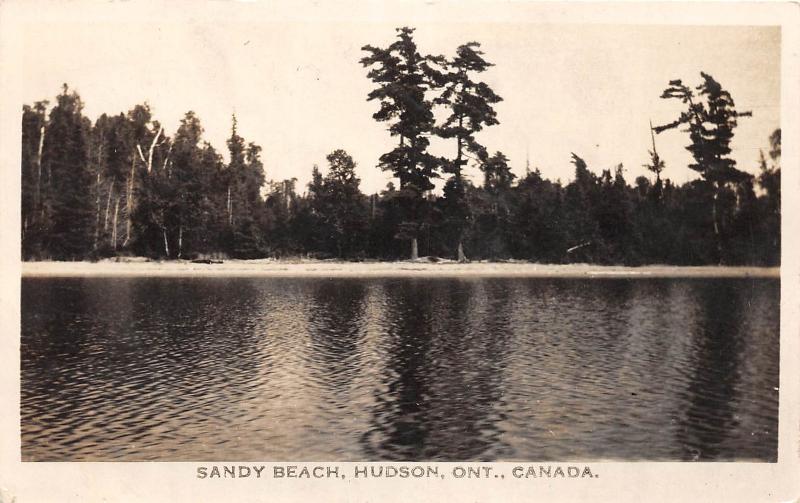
(34, 225)
(470, 105)
(281, 224)
(236, 167)
(314, 234)
(148, 151)
(68, 201)
(243, 179)
(580, 198)
(710, 123)
(404, 78)
(121, 185)
(747, 240)
(385, 217)
(770, 175)
(537, 220)
(186, 174)
(345, 213)
(493, 221)
(656, 166)
(456, 212)
(612, 213)
(769, 179)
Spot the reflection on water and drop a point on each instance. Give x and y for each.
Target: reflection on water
(399, 369)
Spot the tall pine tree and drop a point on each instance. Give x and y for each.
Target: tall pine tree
(471, 108)
(404, 78)
(710, 120)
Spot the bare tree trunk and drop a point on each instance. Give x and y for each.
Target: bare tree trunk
(230, 207)
(715, 216)
(129, 202)
(38, 200)
(180, 240)
(152, 149)
(166, 243)
(166, 159)
(108, 204)
(97, 212)
(458, 138)
(414, 251)
(149, 161)
(461, 257)
(114, 225)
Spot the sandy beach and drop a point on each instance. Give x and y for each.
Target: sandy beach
(420, 268)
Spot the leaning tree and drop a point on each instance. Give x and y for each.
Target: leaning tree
(710, 118)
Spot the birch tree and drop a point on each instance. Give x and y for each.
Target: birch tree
(145, 136)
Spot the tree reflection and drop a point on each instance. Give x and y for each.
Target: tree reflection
(444, 346)
(713, 388)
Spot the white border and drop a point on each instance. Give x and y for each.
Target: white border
(153, 482)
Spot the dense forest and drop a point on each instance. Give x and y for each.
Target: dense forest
(123, 186)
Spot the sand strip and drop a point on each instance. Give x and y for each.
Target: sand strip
(277, 268)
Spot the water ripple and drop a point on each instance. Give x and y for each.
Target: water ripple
(399, 369)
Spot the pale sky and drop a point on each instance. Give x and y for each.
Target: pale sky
(298, 90)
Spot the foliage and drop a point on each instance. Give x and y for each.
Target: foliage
(123, 186)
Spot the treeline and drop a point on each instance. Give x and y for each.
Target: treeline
(122, 186)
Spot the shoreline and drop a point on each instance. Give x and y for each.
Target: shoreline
(420, 268)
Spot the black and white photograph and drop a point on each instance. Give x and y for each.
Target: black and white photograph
(402, 240)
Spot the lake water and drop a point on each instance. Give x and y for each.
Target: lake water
(399, 369)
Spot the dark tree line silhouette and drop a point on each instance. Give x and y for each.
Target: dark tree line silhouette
(122, 186)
